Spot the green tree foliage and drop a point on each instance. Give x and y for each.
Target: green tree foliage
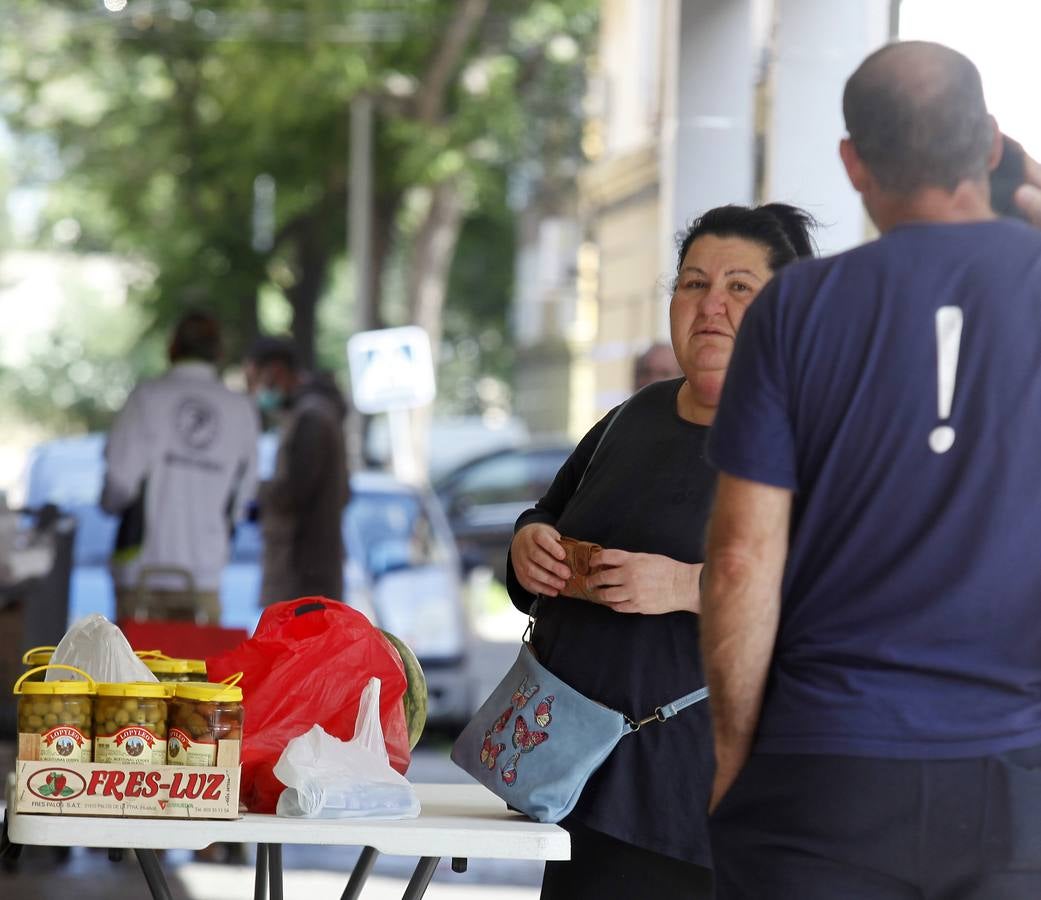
(159, 119)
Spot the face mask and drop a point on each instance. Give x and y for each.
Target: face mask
(269, 399)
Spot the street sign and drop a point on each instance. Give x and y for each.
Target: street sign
(391, 369)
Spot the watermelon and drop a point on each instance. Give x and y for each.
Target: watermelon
(415, 697)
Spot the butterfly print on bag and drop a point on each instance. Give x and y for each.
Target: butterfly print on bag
(509, 771)
(500, 723)
(489, 752)
(524, 739)
(523, 694)
(542, 714)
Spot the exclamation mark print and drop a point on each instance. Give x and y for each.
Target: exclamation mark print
(948, 343)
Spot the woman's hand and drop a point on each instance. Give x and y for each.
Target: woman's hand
(537, 555)
(645, 583)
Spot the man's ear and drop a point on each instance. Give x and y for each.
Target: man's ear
(997, 146)
(858, 173)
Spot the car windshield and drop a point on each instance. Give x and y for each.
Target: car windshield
(509, 477)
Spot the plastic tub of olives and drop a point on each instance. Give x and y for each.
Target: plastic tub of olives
(38, 658)
(202, 715)
(130, 723)
(59, 711)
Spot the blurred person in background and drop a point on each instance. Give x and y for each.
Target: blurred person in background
(301, 506)
(639, 828)
(251, 375)
(656, 363)
(180, 467)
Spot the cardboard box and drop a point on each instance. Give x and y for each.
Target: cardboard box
(100, 789)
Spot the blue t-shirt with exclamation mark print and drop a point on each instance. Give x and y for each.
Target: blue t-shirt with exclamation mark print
(911, 615)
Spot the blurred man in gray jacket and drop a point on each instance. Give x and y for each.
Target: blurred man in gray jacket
(301, 507)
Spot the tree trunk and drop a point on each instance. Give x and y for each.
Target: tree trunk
(248, 319)
(431, 262)
(311, 268)
(432, 255)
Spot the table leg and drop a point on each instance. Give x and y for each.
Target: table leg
(9, 852)
(424, 871)
(274, 852)
(360, 873)
(153, 873)
(260, 884)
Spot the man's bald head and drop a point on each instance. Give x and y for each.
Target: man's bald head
(916, 115)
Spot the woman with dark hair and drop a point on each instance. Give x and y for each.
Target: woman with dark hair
(639, 829)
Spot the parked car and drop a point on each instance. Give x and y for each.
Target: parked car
(484, 496)
(402, 567)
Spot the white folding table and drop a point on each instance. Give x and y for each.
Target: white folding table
(457, 821)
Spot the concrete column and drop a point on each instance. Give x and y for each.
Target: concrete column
(817, 45)
(707, 148)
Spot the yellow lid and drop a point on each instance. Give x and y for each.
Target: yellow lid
(24, 686)
(167, 666)
(196, 666)
(211, 693)
(38, 656)
(133, 689)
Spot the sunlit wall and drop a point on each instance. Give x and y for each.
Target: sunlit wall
(1003, 38)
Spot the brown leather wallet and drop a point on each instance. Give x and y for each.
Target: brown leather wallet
(577, 560)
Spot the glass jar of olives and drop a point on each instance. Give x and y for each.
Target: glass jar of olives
(201, 715)
(130, 723)
(36, 657)
(166, 669)
(58, 711)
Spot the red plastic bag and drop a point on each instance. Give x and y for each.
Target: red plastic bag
(306, 664)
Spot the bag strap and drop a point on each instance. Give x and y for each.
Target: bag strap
(667, 710)
(600, 442)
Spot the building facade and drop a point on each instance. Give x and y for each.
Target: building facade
(692, 104)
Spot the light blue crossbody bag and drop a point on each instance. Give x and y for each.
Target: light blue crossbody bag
(536, 740)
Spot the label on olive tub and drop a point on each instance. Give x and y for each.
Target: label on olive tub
(65, 744)
(131, 746)
(183, 750)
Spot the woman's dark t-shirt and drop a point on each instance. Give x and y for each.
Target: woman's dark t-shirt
(648, 489)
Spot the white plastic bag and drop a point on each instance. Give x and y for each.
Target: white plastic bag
(332, 779)
(101, 650)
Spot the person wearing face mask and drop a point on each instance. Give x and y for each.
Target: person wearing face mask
(180, 469)
(301, 506)
(643, 494)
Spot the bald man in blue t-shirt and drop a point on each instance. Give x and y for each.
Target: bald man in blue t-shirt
(871, 620)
